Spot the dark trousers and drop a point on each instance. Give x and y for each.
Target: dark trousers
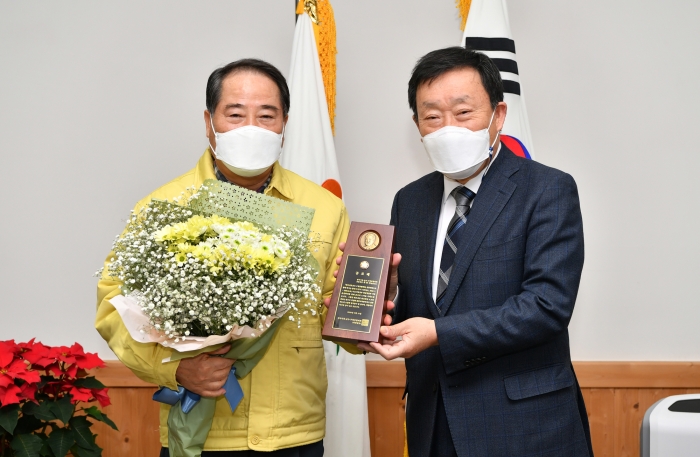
(442, 445)
(308, 450)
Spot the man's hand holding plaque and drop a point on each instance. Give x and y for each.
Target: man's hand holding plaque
(365, 287)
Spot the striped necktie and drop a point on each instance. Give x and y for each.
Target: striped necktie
(463, 197)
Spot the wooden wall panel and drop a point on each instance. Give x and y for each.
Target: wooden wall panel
(386, 418)
(617, 394)
(601, 417)
(136, 415)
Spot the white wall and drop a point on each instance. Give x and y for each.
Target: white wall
(102, 102)
(612, 94)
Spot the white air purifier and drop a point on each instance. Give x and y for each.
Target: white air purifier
(671, 428)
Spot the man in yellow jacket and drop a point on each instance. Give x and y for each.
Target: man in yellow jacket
(283, 409)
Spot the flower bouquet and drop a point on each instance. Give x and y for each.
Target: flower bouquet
(40, 389)
(222, 264)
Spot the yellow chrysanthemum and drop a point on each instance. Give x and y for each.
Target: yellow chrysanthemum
(247, 226)
(279, 263)
(226, 244)
(263, 256)
(203, 252)
(222, 253)
(164, 234)
(219, 220)
(185, 247)
(196, 226)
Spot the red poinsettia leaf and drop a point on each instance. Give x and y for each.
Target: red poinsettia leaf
(6, 380)
(19, 369)
(6, 358)
(62, 354)
(88, 361)
(9, 395)
(37, 354)
(55, 369)
(27, 345)
(9, 346)
(17, 366)
(30, 356)
(29, 376)
(8, 349)
(43, 361)
(77, 349)
(101, 396)
(80, 394)
(72, 370)
(28, 391)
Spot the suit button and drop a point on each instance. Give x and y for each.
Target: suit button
(255, 439)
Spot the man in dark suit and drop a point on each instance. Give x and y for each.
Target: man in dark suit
(492, 252)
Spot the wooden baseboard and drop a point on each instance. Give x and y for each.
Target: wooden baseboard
(632, 375)
(635, 375)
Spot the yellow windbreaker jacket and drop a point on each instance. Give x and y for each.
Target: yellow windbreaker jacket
(284, 395)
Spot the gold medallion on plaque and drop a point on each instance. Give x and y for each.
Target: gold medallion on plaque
(369, 240)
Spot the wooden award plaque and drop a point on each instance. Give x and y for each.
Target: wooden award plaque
(357, 305)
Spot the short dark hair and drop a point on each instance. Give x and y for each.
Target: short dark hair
(436, 63)
(253, 65)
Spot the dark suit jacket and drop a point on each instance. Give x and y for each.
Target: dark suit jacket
(503, 363)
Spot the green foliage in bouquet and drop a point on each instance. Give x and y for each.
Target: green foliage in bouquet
(40, 391)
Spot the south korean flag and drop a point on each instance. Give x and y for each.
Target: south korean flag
(488, 31)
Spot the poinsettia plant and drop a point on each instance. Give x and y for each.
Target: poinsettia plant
(41, 391)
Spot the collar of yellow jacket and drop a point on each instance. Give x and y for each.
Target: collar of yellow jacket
(279, 184)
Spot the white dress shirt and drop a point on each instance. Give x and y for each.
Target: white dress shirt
(447, 211)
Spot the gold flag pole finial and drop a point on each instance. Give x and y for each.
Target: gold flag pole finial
(311, 9)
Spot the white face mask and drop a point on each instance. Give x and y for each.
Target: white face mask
(248, 150)
(458, 152)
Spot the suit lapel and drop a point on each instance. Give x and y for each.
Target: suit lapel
(494, 192)
(429, 215)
